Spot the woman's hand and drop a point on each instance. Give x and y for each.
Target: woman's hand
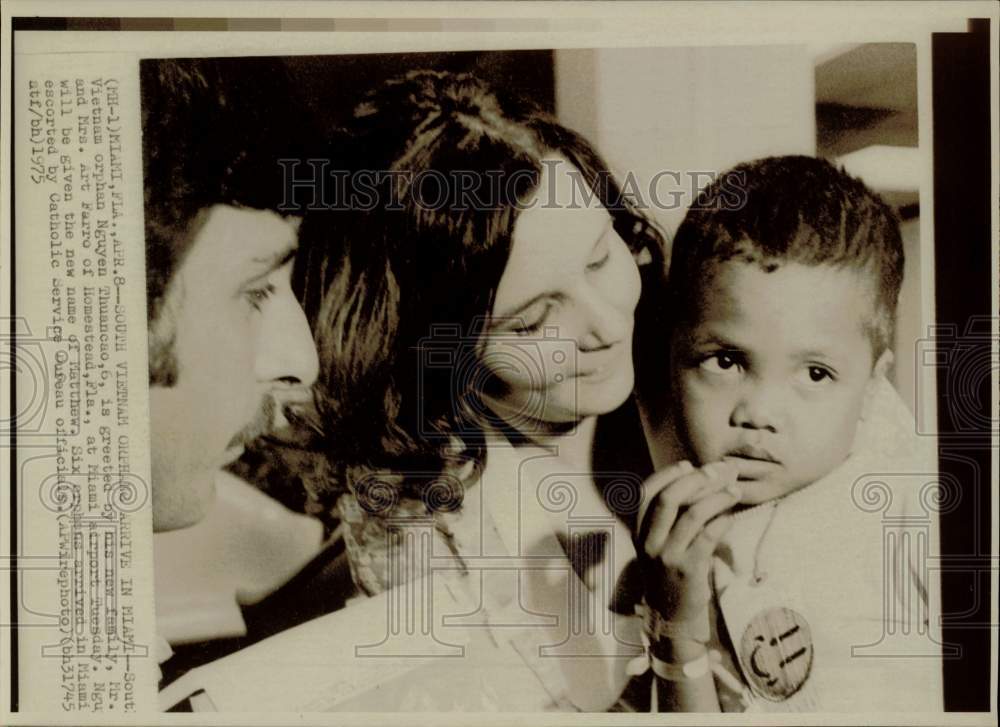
(686, 516)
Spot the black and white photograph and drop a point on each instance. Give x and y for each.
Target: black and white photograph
(583, 378)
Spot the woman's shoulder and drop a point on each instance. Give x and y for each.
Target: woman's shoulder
(375, 541)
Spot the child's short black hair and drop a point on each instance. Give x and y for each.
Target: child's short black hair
(790, 209)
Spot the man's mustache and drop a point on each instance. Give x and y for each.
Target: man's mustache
(275, 415)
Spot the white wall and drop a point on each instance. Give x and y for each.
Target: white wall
(688, 109)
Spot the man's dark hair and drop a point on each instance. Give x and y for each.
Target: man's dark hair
(212, 133)
(791, 209)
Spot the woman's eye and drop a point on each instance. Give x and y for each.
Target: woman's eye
(600, 258)
(529, 329)
(256, 296)
(598, 264)
(721, 363)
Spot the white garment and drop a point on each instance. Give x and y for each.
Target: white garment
(506, 625)
(852, 555)
(527, 510)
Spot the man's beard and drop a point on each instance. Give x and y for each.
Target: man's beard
(282, 418)
(262, 423)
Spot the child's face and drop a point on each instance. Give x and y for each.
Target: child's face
(773, 372)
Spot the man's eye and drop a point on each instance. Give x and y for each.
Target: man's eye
(256, 296)
(722, 362)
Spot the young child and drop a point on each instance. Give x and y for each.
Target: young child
(798, 580)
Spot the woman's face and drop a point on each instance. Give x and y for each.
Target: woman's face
(559, 347)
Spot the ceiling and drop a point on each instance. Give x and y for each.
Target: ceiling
(866, 95)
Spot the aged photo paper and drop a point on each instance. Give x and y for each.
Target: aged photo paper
(564, 362)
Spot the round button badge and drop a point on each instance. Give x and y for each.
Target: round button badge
(777, 653)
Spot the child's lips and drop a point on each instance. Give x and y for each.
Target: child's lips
(752, 465)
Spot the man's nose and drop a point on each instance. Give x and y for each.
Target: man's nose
(758, 407)
(286, 350)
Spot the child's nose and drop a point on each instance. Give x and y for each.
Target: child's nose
(757, 408)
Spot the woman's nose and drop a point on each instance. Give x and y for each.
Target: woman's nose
(604, 323)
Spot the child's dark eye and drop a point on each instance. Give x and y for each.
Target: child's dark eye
(722, 362)
(256, 296)
(819, 374)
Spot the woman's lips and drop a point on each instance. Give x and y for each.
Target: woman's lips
(609, 364)
(597, 375)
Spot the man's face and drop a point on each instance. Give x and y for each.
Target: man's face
(773, 372)
(239, 337)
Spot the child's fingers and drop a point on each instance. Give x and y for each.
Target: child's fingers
(669, 500)
(708, 539)
(667, 506)
(683, 489)
(718, 476)
(657, 482)
(694, 519)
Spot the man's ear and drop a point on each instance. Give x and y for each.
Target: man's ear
(879, 372)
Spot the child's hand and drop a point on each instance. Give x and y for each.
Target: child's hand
(678, 533)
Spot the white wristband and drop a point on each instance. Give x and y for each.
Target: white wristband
(658, 628)
(694, 669)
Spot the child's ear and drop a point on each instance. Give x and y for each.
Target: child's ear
(879, 372)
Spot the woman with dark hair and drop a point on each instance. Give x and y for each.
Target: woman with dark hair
(494, 266)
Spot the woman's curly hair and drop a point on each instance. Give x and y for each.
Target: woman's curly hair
(398, 277)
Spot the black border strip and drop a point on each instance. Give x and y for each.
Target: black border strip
(963, 282)
(14, 661)
(256, 25)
